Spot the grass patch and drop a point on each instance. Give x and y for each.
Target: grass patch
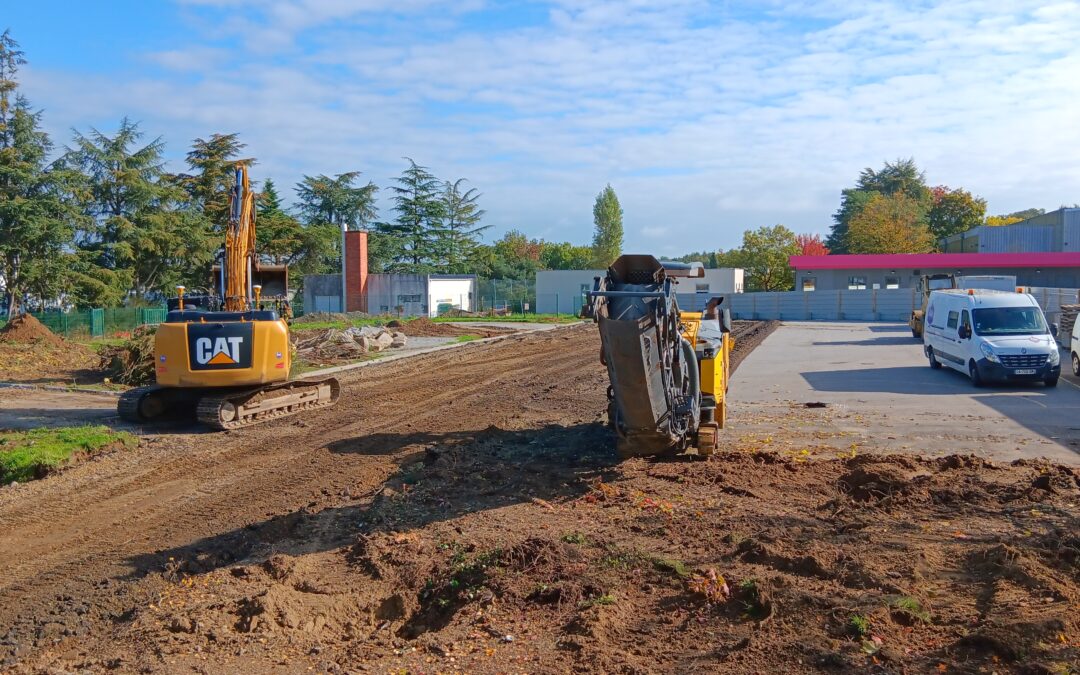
(340, 325)
(26, 455)
(671, 566)
(909, 607)
(466, 338)
(858, 625)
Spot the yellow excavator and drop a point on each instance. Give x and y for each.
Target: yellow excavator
(668, 368)
(230, 368)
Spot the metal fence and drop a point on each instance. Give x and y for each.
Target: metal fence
(100, 322)
(864, 305)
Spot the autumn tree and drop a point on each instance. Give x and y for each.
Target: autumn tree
(811, 244)
(564, 256)
(1016, 217)
(764, 258)
(953, 211)
(890, 224)
(608, 235)
(900, 177)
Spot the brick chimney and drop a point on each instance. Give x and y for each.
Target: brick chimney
(356, 271)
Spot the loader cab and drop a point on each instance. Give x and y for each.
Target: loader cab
(991, 336)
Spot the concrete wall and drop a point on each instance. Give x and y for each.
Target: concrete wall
(835, 280)
(561, 291)
(386, 292)
(322, 293)
(870, 305)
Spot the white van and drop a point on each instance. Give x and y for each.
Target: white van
(991, 336)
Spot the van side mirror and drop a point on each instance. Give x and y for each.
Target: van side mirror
(1054, 328)
(964, 332)
(725, 320)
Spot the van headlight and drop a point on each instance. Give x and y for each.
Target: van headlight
(988, 352)
(1055, 357)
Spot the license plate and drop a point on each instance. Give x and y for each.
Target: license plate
(1025, 371)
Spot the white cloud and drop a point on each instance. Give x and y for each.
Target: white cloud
(708, 118)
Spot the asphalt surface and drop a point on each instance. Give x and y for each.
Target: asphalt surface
(878, 387)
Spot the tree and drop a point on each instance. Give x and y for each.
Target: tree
(708, 259)
(811, 244)
(900, 177)
(1016, 217)
(953, 211)
(608, 236)
(214, 161)
(37, 216)
(564, 256)
(461, 228)
(420, 206)
(890, 224)
(331, 206)
(764, 258)
(515, 256)
(144, 227)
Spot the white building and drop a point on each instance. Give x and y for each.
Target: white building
(563, 291)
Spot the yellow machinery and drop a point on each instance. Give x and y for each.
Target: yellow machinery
(668, 369)
(927, 283)
(231, 368)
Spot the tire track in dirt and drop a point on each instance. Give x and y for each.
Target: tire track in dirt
(86, 524)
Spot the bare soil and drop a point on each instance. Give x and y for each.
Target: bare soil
(465, 512)
(31, 353)
(425, 327)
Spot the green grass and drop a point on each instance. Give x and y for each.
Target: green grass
(340, 325)
(466, 338)
(859, 625)
(910, 606)
(26, 455)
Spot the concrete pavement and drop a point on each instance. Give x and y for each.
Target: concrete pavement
(880, 392)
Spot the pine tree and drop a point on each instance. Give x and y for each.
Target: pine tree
(36, 213)
(213, 162)
(329, 207)
(461, 227)
(420, 211)
(608, 237)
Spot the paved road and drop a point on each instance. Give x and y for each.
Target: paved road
(881, 391)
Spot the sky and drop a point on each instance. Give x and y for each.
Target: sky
(708, 118)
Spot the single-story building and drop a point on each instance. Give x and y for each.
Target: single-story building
(902, 270)
(1057, 231)
(414, 294)
(563, 291)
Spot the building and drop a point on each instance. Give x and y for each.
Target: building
(902, 270)
(563, 291)
(1054, 232)
(407, 294)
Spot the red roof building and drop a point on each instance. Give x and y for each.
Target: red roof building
(902, 270)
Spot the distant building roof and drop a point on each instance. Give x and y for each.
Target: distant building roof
(932, 261)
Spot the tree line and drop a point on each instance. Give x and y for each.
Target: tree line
(102, 222)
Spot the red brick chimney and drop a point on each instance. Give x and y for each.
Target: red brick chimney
(356, 274)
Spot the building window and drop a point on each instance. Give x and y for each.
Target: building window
(402, 299)
(384, 308)
(892, 282)
(856, 283)
(701, 288)
(809, 283)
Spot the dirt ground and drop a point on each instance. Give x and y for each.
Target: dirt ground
(465, 512)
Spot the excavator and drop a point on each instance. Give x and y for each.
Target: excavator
(229, 367)
(668, 368)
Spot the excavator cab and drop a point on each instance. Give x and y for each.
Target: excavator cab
(668, 369)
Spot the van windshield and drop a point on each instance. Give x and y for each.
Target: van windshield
(1010, 321)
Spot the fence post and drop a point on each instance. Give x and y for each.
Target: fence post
(839, 305)
(873, 304)
(97, 323)
(806, 306)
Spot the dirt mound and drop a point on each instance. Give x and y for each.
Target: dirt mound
(333, 345)
(25, 329)
(425, 327)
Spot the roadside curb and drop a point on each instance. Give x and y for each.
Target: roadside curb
(432, 350)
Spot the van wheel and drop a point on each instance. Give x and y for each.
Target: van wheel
(934, 363)
(1076, 364)
(973, 372)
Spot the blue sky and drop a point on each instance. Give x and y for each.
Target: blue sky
(708, 118)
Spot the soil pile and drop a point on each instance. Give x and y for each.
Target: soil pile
(132, 362)
(333, 344)
(425, 327)
(25, 329)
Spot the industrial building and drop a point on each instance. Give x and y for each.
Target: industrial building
(1057, 231)
(902, 270)
(563, 291)
(404, 294)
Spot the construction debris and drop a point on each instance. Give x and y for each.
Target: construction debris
(348, 343)
(132, 362)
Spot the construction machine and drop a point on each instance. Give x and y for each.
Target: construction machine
(927, 283)
(668, 368)
(229, 367)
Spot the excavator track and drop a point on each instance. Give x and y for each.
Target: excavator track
(238, 409)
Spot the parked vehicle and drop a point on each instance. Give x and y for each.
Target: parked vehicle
(991, 336)
(1074, 348)
(936, 282)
